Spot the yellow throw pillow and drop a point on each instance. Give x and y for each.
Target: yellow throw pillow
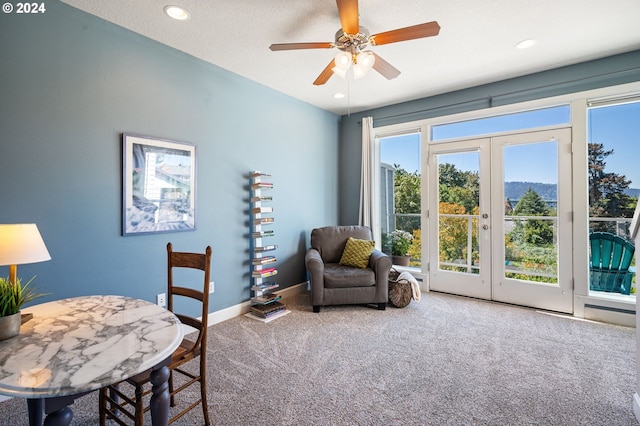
(357, 252)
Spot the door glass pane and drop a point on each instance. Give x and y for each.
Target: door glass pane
(400, 197)
(458, 210)
(502, 123)
(530, 212)
(614, 186)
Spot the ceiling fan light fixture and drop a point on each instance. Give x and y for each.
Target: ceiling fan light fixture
(343, 61)
(340, 72)
(366, 60)
(352, 38)
(359, 71)
(176, 12)
(363, 64)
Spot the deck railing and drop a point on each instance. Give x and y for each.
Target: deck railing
(619, 226)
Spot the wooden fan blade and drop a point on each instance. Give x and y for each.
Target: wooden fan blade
(427, 29)
(348, 11)
(387, 70)
(325, 75)
(294, 46)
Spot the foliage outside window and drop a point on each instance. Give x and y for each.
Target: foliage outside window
(531, 246)
(459, 205)
(607, 196)
(406, 194)
(609, 200)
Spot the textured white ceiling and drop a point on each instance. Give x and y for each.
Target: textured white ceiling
(476, 44)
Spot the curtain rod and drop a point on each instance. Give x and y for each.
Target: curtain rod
(491, 99)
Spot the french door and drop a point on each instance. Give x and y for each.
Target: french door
(499, 212)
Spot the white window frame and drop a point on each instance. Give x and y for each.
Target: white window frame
(607, 307)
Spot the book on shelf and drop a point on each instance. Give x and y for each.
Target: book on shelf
(258, 173)
(265, 286)
(263, 273)
(262, 185)
(257, 210)
(265, 248)
(265, 299)
(262, 234)
(263, 260)
(263, 220)
(261, 198)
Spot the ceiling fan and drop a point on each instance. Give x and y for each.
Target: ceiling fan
(352, 39)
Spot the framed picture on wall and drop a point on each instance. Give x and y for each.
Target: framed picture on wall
(158, 185)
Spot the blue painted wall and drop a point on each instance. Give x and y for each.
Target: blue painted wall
(614, 70)
(71, 83)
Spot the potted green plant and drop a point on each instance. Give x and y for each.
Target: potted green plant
(13, 295)
(400, 242)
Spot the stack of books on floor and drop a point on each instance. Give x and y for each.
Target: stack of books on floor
(269, 311)
(266, 298)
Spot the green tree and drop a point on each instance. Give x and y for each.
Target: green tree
(458, 187)
(607, 196)
(531, 204)
(537, 232)
(406, 191)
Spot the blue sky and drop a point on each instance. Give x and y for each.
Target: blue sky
(617, 127)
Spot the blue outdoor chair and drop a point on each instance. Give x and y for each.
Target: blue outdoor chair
(611, 257)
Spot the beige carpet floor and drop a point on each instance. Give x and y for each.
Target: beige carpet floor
(445, 360)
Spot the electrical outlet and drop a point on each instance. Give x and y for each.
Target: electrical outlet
(161, 299)
(212, 287)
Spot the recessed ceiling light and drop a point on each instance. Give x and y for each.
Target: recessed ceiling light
(525, 44)
(176, 12)
(338, 95)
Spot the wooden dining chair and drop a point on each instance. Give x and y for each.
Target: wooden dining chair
(119, 404)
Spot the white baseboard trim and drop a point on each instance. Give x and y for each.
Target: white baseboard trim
(242, 308)
(636, 406)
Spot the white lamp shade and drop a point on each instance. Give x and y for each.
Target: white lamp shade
(342, 61)
(339, 71)
(366, 60)
(364, 63)
(21, 243)
(359, 71)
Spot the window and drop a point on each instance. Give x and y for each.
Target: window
(502, 123)
(613, 174)
(409, 188)
(400, 193)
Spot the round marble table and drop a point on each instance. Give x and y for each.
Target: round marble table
(73, 346)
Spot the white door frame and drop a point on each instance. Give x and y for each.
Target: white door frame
(491, 283)
(463, 283)
(538, 295)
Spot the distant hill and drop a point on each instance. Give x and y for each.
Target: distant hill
(633, 192)
(515, 190)
(548, 191)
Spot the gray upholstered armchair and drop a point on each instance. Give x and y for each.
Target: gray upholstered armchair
(333, 283)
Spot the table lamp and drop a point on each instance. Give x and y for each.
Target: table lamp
(21, 243)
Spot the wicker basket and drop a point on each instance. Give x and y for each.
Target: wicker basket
(399, 291)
